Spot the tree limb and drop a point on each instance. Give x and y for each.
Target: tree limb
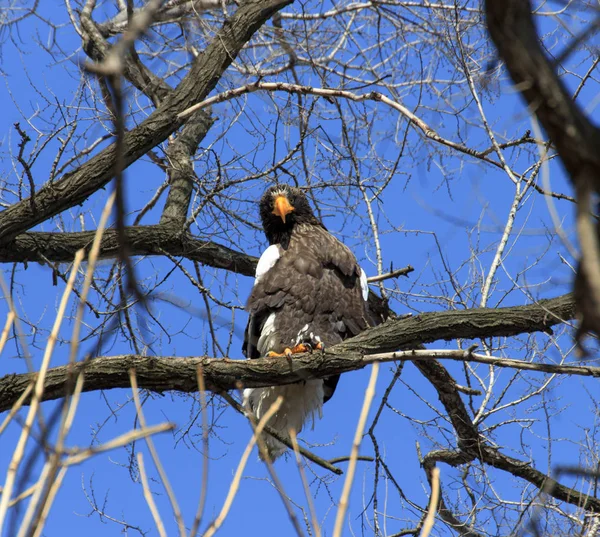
(76, 186)
(142, 240)
(164, 374)
(180, 153)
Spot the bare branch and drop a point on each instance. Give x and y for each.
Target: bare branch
(142, 240)
(163, 374)
(77, 186)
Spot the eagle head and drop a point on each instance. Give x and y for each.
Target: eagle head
(282, 207)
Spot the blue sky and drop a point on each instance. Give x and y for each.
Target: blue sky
(442, 209)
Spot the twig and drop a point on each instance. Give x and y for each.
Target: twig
(26, 166)
(38, 488)
(15, 408)
(266, 458)
(466, 390)
(161, 471)
(460, 355)
(71, 397)
(25, 494)
(119, 441)
(311, 505)
(149, 499)
(393, 274)
(433, 503)
(7, 326)
(337, 460)
(427, 131)
(40, 522)
(87, 283)
(205, 460)
(37, 394)
(362, 420)
(235, 483)
(545, 174)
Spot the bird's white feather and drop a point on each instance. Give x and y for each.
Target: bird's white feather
(266, 335)
(364, 285)
(301, 401)
(266, 262)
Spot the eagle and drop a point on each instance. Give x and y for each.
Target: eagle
(309, 292)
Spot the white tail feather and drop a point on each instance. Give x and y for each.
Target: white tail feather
(300, 402)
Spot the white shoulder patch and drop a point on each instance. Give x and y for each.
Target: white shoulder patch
(266, 261)
(364, 285)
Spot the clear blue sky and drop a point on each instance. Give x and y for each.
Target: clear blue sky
(438, 209)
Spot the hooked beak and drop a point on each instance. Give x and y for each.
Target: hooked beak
(282, 207)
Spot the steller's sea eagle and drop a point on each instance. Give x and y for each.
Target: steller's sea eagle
(309, 293)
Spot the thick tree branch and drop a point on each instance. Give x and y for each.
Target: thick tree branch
(76, 186)
(142, 240)
(164, 374)
(181, 169)
(179, 374)
(468, 324)
(471, 445)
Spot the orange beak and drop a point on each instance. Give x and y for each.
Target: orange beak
(282, 207)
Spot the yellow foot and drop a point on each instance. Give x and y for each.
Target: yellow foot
(298, 349)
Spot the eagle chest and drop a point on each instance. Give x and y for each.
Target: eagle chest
(312, 284)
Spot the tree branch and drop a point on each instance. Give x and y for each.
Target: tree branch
(164, 374)
(97, 48)
(181, 170)
(142, 240)
(468, 324)
(76, 186)
(576, 138)
(468, 356)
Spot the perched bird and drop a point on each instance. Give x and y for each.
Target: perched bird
(309, 293)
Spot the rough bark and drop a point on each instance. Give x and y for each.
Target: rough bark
(511, 26)
(472, 445)
(179, 374)
(467, 324)
(142, 240)
(164, 374)
(181, 169)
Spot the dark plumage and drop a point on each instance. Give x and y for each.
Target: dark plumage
(308, 290)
